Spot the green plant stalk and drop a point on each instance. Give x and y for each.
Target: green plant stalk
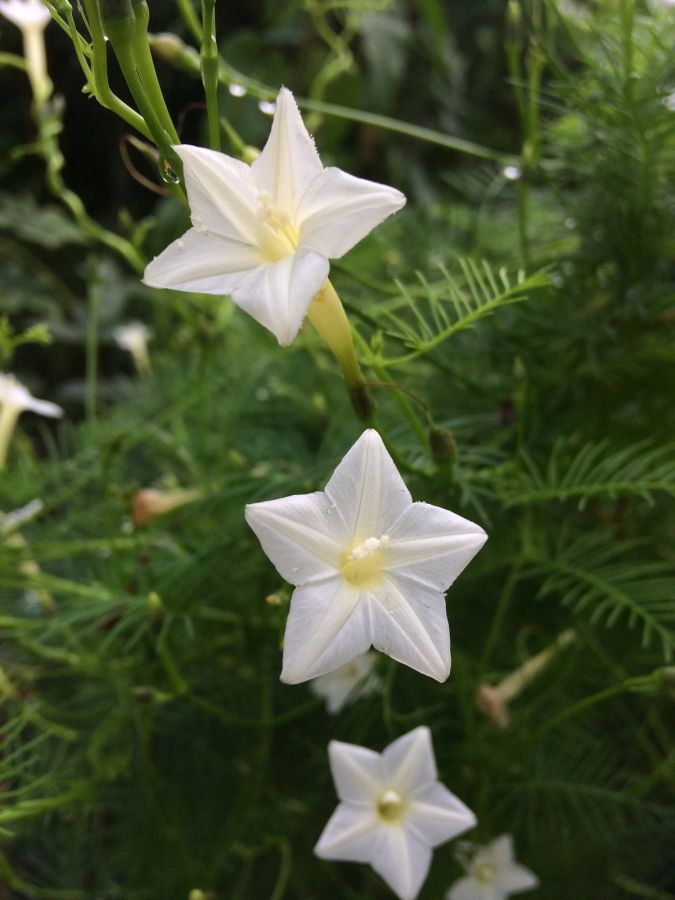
(100, 85)
(122, 36)
(51, 153)
(190, 18)
(91, 355)
(639, 681)
(210, 65)
(188, 61)
(147, 73)
(500, 614)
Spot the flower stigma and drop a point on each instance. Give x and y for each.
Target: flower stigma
(484, 872)
(390, 806)
(280, 237)
(362, 564)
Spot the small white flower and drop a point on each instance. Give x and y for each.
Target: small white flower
(25, 13)
(133, 337)
(15, 399)
(369, 565)
(264, 233)
(353, 680)
(393, 810)
(493, 874)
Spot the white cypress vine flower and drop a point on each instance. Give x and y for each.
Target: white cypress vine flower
(370, 567)
(15, 398)
(393, 810)
(353, 680)
(264, 233)
(493, 874)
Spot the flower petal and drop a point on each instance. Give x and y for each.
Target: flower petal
(357, 771)
(432, 545)
(412, 627)
(367, 489)
(352, 834)
(43, 407)
(201, 262)
(278, 294)
(513, 877)
(327, 626)
(223, 196)
(289, 161)
(409, 761)
(295, 533)
(437, 815)
(403, 861)
(500, 851)
(471, 889)
(338, 210)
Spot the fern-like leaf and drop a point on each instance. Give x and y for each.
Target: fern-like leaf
(595, 471)
(592, 576)
(424, 317)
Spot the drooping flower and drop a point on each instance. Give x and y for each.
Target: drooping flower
(15, 399)
(149, 503)
(493, 874)
(393, 810)
(133, 337)
(353, 680)
(493, 699)
(370, 567)
(264, 233)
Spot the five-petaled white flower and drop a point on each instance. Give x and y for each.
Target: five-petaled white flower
(393, 810)
(264, 233)
(15, 399)
(369, 565)
(25, 13)
(493, 874)
(353, 680)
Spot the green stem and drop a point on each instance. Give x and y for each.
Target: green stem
(190, 18)
(500, 613)
(576, 708)
(126, 59)
(91, 351)
(100, 85)
(147, 72)
(210, 65)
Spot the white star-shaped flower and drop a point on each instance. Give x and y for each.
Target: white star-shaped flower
(264, 233)
(493, 874)
(393, 810)
(25, 13)
(353, 680)
(369, 565)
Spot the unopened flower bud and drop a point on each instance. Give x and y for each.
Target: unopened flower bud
(442, 444)
(150, 503)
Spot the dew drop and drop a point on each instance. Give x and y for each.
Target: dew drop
(511, 173)
(266, 107)
(237, 90)
(167, 172)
